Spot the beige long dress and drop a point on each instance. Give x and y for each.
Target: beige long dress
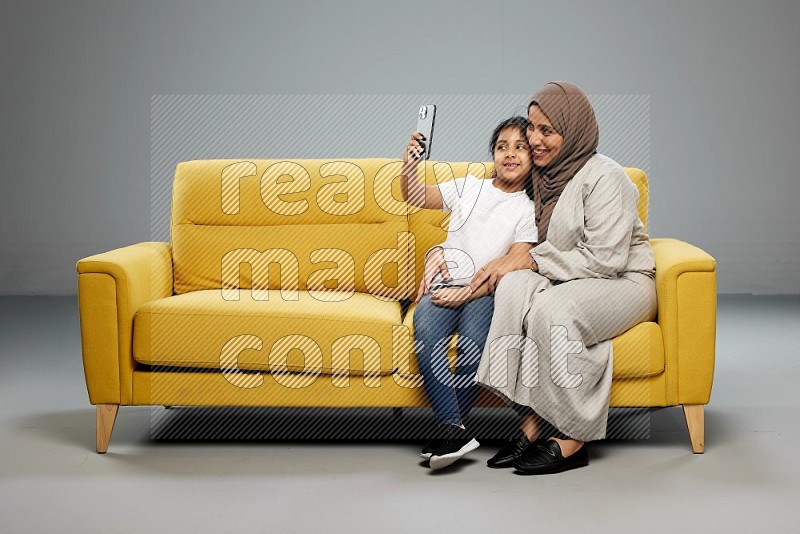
(549, 343)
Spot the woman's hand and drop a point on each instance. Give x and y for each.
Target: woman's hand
(434, 264)
(517, 259)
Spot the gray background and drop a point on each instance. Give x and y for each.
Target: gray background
(721, 80)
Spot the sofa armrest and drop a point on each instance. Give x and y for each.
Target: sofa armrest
(111, 287)
(686, 283)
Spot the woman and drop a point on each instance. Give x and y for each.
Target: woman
(557, 307)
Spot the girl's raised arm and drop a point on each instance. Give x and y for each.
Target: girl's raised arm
(415, 192)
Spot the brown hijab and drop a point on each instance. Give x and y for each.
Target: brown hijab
(571, 114)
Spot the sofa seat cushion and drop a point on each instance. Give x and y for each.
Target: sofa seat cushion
(638, 353)
(346, 334)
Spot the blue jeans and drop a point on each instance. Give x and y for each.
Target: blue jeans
(451, 394)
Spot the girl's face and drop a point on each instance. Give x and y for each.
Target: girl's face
(545, 141)
(512, 157)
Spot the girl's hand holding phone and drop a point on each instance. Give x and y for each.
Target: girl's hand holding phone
(414, 190)
(414, 149)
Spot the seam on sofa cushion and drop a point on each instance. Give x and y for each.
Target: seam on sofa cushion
(331, 371)
(271, 316)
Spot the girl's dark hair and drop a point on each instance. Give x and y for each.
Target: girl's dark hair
(514, 122)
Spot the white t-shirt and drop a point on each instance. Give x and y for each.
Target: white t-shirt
(484, 223)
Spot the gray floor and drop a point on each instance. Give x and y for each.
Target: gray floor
(51, 480)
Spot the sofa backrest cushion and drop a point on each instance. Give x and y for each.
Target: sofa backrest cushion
(309, 224)
(291, 224)
(639, 178)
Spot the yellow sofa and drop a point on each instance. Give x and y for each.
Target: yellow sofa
(286, 283)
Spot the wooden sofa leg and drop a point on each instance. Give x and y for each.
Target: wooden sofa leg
(695, 420)
(106, 415)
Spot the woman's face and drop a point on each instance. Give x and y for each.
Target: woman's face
(545, 141)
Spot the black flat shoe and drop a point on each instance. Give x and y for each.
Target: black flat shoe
(512, 450)
(546, 458)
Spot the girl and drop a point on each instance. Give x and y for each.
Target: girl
(488, 218)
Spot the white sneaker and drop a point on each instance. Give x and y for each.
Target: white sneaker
(455, 446)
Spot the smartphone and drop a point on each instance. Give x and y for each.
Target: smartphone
(425, 120)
